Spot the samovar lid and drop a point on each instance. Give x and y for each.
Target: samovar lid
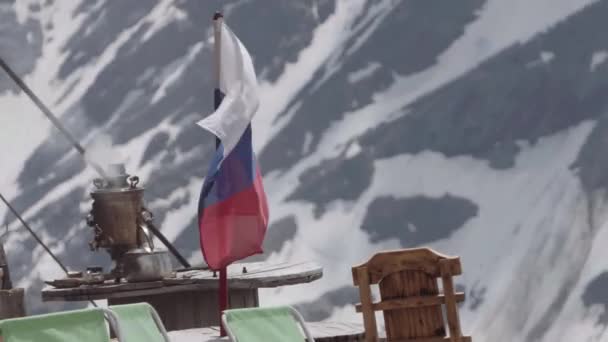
(117, 179)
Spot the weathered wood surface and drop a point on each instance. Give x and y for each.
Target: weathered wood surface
(5, 278)
(257, 275)
(11, 300)
(450, 303)
(416, 259)
(254, 275)
(365, 293)
(411, 302)
(411, 323)
(92, 292)
(11, 303)
(321, 331)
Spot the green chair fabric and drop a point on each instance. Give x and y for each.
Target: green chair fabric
(263, 325)
(138, 324)
(67, 326)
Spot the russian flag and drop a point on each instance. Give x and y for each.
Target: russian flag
(233, 211)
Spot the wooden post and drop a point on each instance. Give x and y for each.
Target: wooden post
(5, 278)
(11, 300)
(223, 297)
(450, 302)
(369, 316)
(11, 303)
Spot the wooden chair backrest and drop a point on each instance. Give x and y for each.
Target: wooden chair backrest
(410, 298)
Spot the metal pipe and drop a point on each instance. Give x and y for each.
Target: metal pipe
(34, 235)
(76, 144)
(49, 115)
(37, 238)
(168, 244)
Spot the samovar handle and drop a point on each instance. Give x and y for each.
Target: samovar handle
(148, 235)
(133, 181)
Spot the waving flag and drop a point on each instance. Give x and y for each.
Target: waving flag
(233, 212)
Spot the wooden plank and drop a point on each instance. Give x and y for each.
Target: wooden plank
(425, 313)
(102, 291)
(336, 331)
(321, 331)
(398, 324)
(433, 315)
(450, 303)
(133, 293)
(421, 327)
(412, 302)
(415, 259)
(413, 289)
(5, 278)
(84, 294)
(369, 317)
(12, 303)
(434, 339)
(258, 275)
(413, 321)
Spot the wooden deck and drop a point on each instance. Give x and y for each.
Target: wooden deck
(321, 331)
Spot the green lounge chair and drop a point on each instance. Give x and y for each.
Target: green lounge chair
(66, 326)
(265, 325)
(139, 322)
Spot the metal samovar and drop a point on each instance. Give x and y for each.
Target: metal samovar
(120, 222)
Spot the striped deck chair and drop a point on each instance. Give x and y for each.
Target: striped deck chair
(139, 322)
(67, 326)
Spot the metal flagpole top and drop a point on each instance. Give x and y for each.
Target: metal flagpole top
(217, 37)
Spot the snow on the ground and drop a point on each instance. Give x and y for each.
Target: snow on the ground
(598, 58)
(540, 195)
(277, 95)
(364, 73)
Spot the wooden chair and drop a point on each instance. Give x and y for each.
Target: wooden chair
(410, 299)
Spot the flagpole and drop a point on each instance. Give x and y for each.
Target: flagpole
(218, 18)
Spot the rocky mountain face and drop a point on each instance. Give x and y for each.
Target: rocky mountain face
(475, 127)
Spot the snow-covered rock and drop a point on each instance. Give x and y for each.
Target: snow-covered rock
(475, 127)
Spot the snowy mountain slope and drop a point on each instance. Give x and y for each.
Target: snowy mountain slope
(473, 127)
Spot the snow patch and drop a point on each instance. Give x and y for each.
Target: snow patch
(363, 73)
(276, 96)
(598, 58)
(353, 150)
(162, 15)
(540, 195)
(175, 70)
(546, 56)
(178, 219)
(307, 142)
